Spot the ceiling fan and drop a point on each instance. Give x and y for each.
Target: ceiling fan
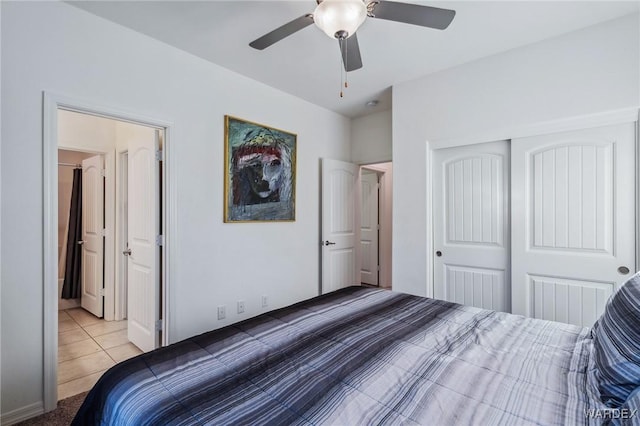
(342, 18)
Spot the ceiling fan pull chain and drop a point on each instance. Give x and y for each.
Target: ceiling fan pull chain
(341, 75)
(346, 62)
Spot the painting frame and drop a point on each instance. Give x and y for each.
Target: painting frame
(259, 172)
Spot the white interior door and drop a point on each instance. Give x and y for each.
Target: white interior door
(369, 227)
(143, 286)
(92, 297)
(340, 224)
(471, 225)
(574, 203)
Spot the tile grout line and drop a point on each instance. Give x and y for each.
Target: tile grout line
(90, 337)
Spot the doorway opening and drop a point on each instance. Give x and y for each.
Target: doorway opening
(93, 328)
(376, 224)
(341, 218)
(121, 243)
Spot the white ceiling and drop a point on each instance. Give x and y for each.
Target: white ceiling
(307, 64)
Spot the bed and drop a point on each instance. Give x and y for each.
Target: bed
(370, 356)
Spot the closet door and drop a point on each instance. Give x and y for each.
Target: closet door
(471, 225)
(92, 297)
(573, 225)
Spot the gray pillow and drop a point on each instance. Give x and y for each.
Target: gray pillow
(616, 343)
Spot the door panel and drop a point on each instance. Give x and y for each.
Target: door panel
(574, 203)
(369, 227)
(92, 298)
(471, 225)
(565, 300)
(340, 224)
(476, 286)
(143, 286)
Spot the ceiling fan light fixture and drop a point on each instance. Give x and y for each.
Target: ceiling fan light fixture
(337, 17)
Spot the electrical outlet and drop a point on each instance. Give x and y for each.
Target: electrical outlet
(265, 301)
(222, 312)
(240, 306)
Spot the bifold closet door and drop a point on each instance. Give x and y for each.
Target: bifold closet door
(573, 224)
(471, 225)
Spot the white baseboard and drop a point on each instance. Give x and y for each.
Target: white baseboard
(21, 414)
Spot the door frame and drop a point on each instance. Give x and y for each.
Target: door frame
(620, 116)
(52, 102)
(120, 290)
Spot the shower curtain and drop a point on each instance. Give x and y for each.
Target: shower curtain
(72, 272)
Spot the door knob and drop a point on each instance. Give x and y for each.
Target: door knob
(623, 270)
(127, 252)
(438, 253)
(329, 243)
(80, 242)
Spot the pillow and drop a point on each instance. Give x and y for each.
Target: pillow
(629, 413)
(616, 345)
(632, 404)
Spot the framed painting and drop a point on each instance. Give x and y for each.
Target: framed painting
(260, 172)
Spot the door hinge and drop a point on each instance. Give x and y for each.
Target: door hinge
(159, 155)
(158, 325)
(378, 268)
(378, 226)
(103, 232)
(103, 173)
(101, 292)
(160, 240)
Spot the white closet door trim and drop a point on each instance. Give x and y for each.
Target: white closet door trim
(620, 116)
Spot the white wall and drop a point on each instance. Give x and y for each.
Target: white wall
(127, 132)
(371, 138)
(585, 72)
(85, 132)
(56, 47)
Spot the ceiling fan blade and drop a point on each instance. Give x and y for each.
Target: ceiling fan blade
(350, 53)
(425, 16)
(282, 32)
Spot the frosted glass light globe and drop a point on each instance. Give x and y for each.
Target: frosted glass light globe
(335, 16)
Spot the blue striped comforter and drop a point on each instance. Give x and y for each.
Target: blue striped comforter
(357, 356)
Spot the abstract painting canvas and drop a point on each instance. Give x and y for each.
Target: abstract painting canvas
(260, 172)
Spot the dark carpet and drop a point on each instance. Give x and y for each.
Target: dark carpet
(61, 416)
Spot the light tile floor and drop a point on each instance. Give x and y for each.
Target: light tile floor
(87, 347)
